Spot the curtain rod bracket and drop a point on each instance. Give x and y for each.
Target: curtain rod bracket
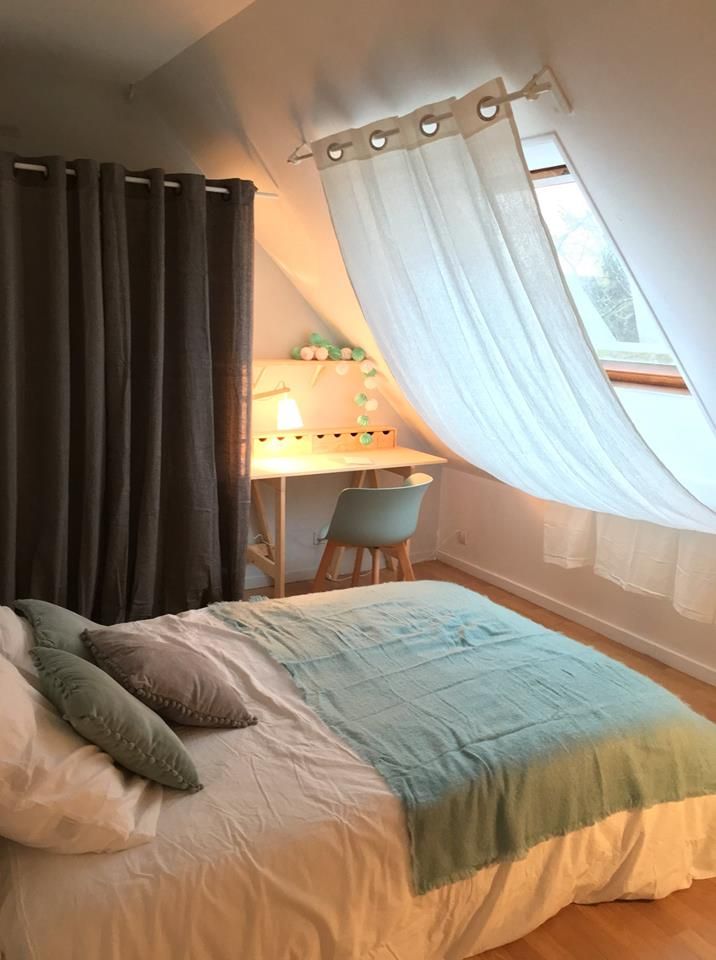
(545, 81)
(296, 155)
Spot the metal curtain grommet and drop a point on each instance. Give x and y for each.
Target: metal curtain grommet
(429, 125)
(487, 110)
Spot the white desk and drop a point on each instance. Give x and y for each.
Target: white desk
(269, 471)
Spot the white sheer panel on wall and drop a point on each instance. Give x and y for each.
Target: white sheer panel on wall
(444, 244)
(643, 557)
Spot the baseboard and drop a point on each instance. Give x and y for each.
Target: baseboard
(635, 641)
(255, 578)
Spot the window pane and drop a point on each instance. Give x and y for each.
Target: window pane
(616, 316)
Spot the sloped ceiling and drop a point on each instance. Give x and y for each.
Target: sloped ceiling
(126, 39)
(242, 98)
(640, 75)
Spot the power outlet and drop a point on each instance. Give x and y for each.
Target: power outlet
(462, 537)
(317, 542)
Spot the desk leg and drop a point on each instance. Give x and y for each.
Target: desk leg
(257, 502)
(279, 486)
(270, 556)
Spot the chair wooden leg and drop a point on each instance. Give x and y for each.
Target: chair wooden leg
(355, 580)
(391, 562)
(388, 559)
(406, 568)
(375, 566)
(320, 582)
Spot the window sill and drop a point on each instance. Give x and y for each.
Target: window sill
(645, 375)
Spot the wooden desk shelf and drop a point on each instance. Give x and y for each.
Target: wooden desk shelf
(330, 440)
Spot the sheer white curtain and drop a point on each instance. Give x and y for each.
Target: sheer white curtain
(444, 244)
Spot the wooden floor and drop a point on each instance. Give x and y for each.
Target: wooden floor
(680, 927)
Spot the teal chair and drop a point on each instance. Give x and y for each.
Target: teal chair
(381, 520)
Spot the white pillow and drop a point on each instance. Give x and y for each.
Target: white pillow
(16, 641)
(59, 792)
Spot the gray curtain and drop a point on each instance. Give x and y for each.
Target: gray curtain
(125, 378)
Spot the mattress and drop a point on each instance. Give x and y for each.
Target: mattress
(297, 850)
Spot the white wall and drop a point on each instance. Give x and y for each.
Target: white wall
(640, 74)
(283, 320)
(504, 529)
(48, 105)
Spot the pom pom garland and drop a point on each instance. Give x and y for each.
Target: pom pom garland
(321, 349)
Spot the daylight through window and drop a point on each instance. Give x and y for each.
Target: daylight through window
(617, 318)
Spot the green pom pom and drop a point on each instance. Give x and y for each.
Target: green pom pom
(296, 353)
(360, 399)
(334, 353)
(358, 353)
(366, 438)
(316, 340)
(362, 420)
(371, 373)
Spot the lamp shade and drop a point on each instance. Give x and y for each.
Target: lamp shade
(288, 416)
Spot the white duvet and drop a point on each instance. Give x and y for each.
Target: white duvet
(296, 850)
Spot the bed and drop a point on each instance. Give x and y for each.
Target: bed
(298, 850)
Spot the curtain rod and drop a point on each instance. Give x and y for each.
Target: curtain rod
(544, 81)
(171, 184)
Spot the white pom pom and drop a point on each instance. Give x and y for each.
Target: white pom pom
(370, 405)
(370, 383)
(367, 366)
(321, 353)
(307, 353)
(347, 353)
(342, 368)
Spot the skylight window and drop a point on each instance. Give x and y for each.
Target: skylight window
(622, 327)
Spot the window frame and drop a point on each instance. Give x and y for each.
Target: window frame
(663, 376)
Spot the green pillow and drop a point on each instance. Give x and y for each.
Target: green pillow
(104, 713)
(56, 627)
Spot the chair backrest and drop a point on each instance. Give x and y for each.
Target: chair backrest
(370, 517)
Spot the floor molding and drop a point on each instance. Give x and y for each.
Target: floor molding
(635, 641)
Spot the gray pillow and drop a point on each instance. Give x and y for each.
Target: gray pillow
(54, 626)
(180, 683)
(102, 712)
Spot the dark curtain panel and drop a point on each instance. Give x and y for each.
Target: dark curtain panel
(125, 378)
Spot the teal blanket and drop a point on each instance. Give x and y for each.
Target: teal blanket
(494, 732)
